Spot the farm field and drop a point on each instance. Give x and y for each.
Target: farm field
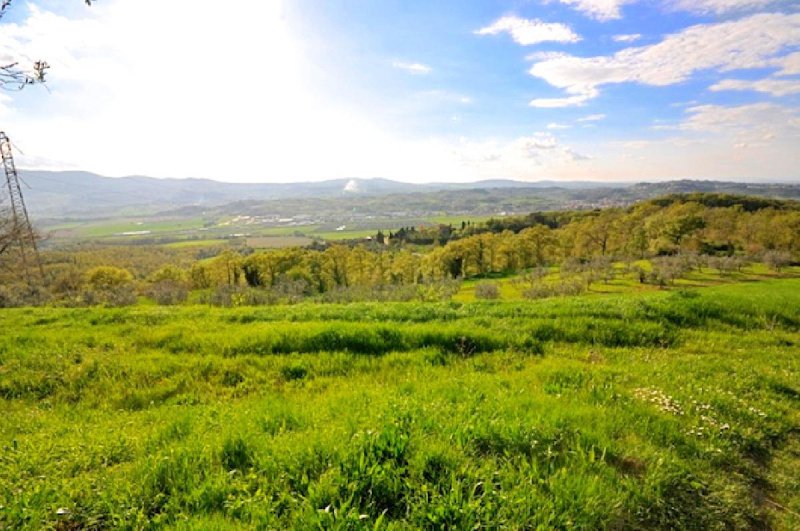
(194, 231)
(644, 410)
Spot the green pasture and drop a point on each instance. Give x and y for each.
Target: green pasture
(103, 229)
(455, 221)
(283, 231)
(211, 242)
(645, 410)
(344, 234)
(276, 242)
(511, 288)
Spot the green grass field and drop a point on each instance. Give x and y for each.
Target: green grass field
(213, 242)
(96, 230)
(276, 242)
(456, 220)
(511, 289)
(643, 410)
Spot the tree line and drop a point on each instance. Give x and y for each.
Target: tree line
(675, 233)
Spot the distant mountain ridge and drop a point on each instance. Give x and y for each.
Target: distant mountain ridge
(78, 194)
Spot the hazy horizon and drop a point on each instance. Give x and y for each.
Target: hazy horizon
(400, 180)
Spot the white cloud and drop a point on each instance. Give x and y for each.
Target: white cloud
(592, 118)
(754, 142)
(530, 31)
(528, 157)
(555, 125)
(720, 7)
(752, 42)
(544, 55)
(629, 37)
(753, 120)
(413, 68)
(772, 86)
(789, 64)
(605, 10)
(569, 101)
(602, 10)
(754, 125)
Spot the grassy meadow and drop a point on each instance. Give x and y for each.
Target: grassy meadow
(654, 410)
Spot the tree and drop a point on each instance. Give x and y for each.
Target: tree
(598, 231)
(777, 260)
(536, 244)
(12, 76)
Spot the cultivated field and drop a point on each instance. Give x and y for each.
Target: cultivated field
(655, 410)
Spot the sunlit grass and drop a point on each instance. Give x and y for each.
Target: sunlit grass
(656, 410)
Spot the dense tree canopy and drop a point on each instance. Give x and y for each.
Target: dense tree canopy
(676, 234)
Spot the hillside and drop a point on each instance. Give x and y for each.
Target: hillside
(646, 411)
(82, 195)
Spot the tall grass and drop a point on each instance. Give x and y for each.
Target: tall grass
(643, 411)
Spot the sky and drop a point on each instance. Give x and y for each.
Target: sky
(412, 90)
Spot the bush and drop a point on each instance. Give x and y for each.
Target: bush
(120, 296)
(234, 296)
(168, 272)
(438, 291)
(168, 292)
(667, 269)
(532, 277)
(726, 265)
(103, 278)
(565, 287)
(23, 295)
(777, 260)
(402, 293)
(487, 290)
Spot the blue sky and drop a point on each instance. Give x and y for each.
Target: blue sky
(279, 91)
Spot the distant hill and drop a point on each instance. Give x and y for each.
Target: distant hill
(471, 201)
(82, 195)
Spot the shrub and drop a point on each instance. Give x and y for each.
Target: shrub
(442, 290)
(726, 264)
(103, 278)
(667, 269)
(168, 292)
(388, 292)
(777, 260)
(168, 272)
(120, 296)
(565, 287)
(487, 290)
(23, 295)
(234, 296)
(539, 291)
(532, 277)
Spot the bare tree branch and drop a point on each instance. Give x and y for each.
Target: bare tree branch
(14, 78)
